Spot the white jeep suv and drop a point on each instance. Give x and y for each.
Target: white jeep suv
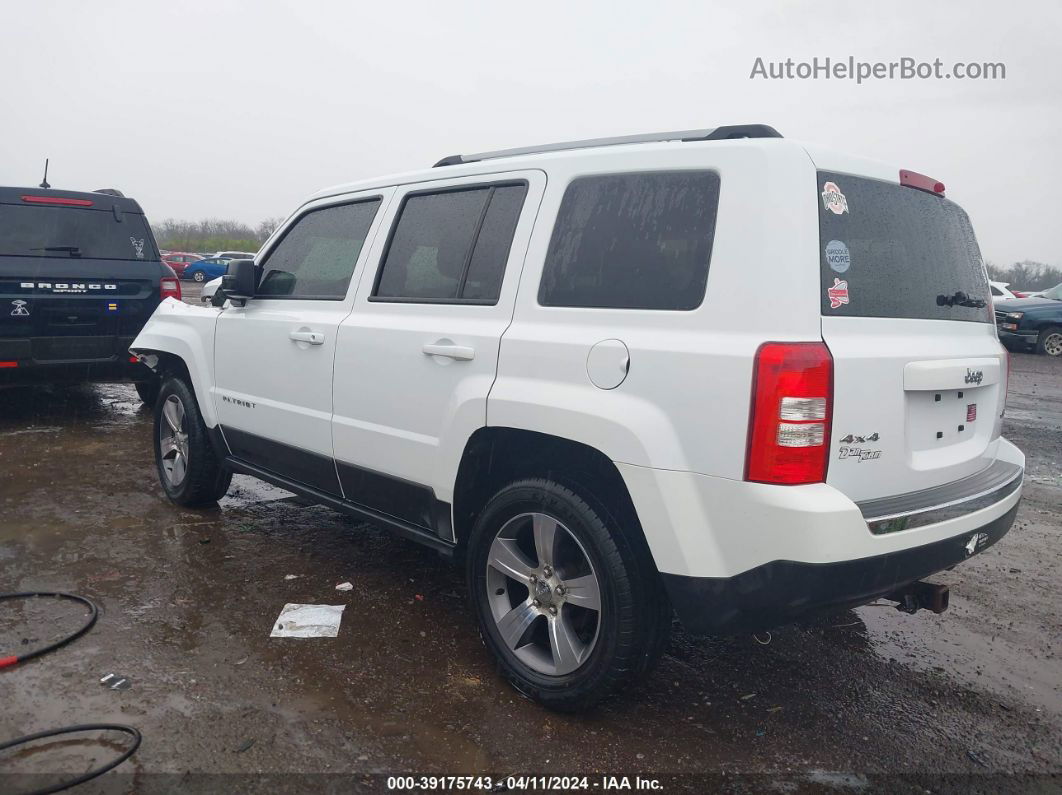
(712, 372)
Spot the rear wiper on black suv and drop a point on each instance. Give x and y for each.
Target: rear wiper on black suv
(73, 251)
(961, 299)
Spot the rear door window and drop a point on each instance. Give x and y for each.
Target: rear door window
(633, 241)
(452, 245)
(39, 231)
(888, 250)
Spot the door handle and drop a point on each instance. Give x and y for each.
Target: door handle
(312, 337)
(460, 352)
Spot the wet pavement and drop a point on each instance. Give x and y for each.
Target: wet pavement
(188, 599)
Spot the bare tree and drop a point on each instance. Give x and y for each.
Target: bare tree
(212, 234)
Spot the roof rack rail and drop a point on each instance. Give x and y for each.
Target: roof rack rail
(715, 134)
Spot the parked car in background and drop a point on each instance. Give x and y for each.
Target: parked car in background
(1000, 291)
(209, 290)
(1036, 323)
(79, 276)
(234, 255)
(179, 260)
(206, 269)
(519, 359)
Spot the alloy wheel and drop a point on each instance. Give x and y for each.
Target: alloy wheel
(1053, 344)
(544, 594)
(173, 441)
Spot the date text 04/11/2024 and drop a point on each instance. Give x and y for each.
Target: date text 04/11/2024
(523, 783)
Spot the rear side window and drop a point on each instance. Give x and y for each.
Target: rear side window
(891, 251)
(451, 246)
(633, 241)
(316, 256)
(39, 231)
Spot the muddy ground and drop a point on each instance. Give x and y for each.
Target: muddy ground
(865, 699)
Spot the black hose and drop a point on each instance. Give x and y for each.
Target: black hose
(14, 659)
(84, 727)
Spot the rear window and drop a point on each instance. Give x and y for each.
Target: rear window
(36, 231)
(893, 251)
(632, 241)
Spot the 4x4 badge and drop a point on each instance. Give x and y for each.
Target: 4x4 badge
(20, 308)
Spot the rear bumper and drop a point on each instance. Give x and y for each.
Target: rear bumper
(45, 360)
(736, 555)
(783, 590)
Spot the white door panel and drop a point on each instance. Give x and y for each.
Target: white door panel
(275, 355)
(412, 378)
(273, 386)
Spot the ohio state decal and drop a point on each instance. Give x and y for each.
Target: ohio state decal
(833, 200)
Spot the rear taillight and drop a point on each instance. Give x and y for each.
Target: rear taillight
(792, 408)
(8, 364)
(169, 287)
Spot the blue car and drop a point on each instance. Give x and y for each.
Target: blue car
(205, 269)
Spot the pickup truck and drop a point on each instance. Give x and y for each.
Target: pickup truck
(1032, 322)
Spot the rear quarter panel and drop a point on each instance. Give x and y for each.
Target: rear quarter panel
(684, 404)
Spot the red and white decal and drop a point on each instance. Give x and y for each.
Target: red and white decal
(971, 412)
(833, 200)
(838, 294)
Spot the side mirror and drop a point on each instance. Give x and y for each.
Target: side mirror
(238, 281)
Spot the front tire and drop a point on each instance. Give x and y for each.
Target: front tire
(570, 608)
(199, 276)
(190, 471)
(1049, 341)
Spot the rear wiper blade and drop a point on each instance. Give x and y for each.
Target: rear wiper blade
(73, 251)
(961, 299)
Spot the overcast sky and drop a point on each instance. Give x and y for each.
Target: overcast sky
(241, 109)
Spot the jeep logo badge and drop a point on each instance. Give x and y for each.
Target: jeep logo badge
(974, 376)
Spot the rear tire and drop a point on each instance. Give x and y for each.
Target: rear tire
(190, 470)
(606, 626)
(149, 391)
(1050, 341)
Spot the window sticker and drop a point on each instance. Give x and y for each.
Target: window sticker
(837, 256)
(838, 294)
(833, 200)
(138, 247)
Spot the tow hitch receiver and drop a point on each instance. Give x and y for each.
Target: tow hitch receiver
(921, 595)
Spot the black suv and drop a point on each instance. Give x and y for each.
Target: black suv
(1032, 322)
(80, 274)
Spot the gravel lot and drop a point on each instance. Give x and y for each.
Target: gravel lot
(865, 699)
